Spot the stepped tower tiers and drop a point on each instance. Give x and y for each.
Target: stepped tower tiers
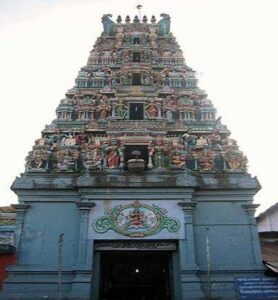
(137, 172)
(136, 94)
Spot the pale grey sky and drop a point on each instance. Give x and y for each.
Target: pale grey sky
(231, 43)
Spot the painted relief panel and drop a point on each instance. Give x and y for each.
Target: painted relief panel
(135, 219)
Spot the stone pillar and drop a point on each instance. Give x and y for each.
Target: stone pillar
(150, 154)
(181, 118)
(187, 248)
(92, 114)
(254, 236)
(20, 214)
(191, 286)
(83, 255)
(113, 110)
(159, 110)
(81, 284)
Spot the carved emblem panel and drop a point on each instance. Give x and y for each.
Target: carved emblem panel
(136, 220)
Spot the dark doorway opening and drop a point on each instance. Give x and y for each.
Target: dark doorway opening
(136, 79)
(136, 41)
(136, 111)
(136, 56)
(130, 150)
(136, 275)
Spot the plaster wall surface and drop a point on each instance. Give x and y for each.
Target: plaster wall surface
(43, 223)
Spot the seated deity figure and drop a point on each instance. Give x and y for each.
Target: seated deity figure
(67, 159)
(93, 157)
(178, 159)
(152, 110)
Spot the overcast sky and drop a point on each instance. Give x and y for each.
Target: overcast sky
(232, 44)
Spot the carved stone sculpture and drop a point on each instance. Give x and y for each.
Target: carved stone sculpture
(108, 24)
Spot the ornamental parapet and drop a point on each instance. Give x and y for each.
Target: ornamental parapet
(152, 179)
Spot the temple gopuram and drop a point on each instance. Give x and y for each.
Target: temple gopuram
(135, 190)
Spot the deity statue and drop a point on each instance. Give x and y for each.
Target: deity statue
(106, 57)
(153, 36)
(206, 160)
(37, 159)
(82, 139)
(67, 159)
(112, 154)
(93, 157)
(104, 109)
(178, 158)
(121, 110)
(235, 159)
(136, 218)
(69, 140)
(152, 109)
(119, 36)
(214, 141)
(160, 159)
(201, 142)
(189, 141)
(147, 79)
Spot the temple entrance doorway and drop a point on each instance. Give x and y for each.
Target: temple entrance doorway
(136, 275)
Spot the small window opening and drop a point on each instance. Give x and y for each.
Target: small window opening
(136, 111)
(136, 56)
(136, 79)
(136, 41)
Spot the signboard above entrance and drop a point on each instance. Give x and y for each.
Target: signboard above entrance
(135, 246)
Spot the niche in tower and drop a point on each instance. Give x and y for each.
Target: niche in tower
(136, 41)
(136, 79)
(136, 56)
(136, 152)
(136, 111)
